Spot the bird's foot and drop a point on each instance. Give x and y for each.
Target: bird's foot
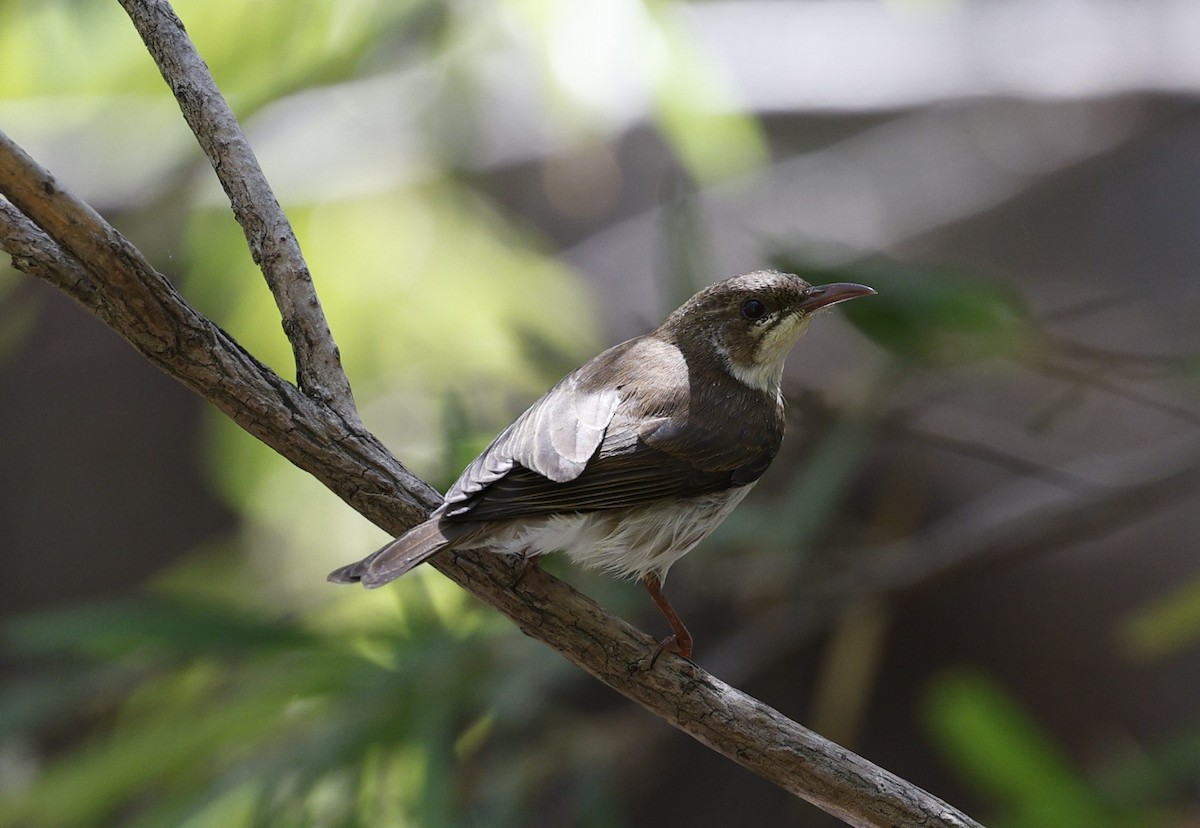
(527, 565)
(680, 646)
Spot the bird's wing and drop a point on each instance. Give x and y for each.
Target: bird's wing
(589, 446)
(554, 439)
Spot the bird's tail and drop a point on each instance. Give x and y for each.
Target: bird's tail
(402, 554)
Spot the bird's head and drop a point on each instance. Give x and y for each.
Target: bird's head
(749, 323)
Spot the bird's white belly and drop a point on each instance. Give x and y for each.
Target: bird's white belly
(628, 543)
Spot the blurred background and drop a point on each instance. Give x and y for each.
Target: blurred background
(974, 562)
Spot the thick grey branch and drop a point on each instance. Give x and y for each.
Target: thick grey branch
(272, 242)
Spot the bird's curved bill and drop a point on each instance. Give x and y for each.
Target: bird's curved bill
(823, 296)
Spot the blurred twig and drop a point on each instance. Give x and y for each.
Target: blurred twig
(1092, 378)
(1019, 521)
(1132, 365)
(996, 457)
(1024, 520)
(898, 423)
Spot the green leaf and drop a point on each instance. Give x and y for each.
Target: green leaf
(1165, 626)
(997, 747)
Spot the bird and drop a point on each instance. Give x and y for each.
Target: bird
(634, 458)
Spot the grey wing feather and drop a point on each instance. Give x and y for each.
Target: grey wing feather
(555, 438)
(655, 464)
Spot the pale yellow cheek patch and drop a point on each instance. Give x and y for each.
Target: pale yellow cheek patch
(778, 341)
(766, 372)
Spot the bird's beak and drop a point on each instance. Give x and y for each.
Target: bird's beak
(823, 296)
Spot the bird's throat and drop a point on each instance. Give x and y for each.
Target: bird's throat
(764, 370)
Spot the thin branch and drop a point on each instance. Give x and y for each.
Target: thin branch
(996, 457)
(1092, 379)
(1025, 520)
(272, 242)
(137, 302)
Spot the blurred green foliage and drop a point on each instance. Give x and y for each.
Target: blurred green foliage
(206, 715)
(1164, 626)
(1006, 755)
(994, 744)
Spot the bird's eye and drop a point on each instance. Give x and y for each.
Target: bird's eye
(753, 309)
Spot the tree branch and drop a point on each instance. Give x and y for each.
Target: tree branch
(35, 253)
(272, 242)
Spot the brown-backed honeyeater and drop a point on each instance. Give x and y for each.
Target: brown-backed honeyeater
(634, 458)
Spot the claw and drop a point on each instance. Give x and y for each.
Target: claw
(670, 644)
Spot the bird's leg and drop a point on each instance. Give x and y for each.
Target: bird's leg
(528, 563)
(680, 640)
